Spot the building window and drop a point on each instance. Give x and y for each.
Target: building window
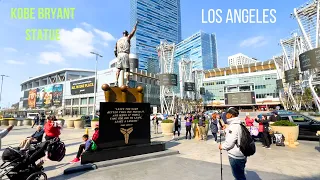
(83, 111)
(67, 111)
(90, 110)
(75, 111)
(68, 102)
(91, 100)
(75, 102)
(260, 87)
(84, 101)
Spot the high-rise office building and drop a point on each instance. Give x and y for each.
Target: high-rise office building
(158, 20)
(240, 59)
(201, 48)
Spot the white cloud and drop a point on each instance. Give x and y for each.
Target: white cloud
(86, 24)
(254, 42)
(76, 42)
(8, 49)
(15, 62)
(51, 57)
(105, 35)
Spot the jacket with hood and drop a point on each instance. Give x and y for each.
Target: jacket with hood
(233, 135)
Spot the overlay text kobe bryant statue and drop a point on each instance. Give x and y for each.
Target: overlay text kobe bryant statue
(122, 51)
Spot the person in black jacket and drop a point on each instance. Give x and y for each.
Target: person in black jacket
(36, 137)
(176, 125)
(36, 120)
(265, 134)
(274, 117)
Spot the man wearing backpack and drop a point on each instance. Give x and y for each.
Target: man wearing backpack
(232, 145)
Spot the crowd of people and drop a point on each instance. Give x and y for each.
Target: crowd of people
(227, 123)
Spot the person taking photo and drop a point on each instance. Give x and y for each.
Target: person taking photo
(231, 145)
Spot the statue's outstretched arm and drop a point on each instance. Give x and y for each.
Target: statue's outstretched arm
(133, 31)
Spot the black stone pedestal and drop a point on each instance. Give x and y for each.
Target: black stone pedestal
(121, 152)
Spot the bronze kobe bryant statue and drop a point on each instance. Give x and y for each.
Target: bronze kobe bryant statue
(122, 51)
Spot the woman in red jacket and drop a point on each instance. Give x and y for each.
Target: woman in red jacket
(52, 128)
(249, 121)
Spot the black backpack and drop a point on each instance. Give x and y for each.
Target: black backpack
(56, 150)
(247, 145)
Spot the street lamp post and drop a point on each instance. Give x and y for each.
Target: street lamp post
(2, 76)
(95, 84)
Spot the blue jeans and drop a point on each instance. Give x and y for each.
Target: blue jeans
(237, 167)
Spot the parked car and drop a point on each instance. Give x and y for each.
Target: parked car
(308, 127)
(159, 115)
(87, 119)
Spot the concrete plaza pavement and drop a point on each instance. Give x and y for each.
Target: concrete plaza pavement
(197, 160)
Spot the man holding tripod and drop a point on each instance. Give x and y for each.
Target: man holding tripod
(231, 145)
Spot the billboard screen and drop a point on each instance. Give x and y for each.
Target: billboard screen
(47, 97)
(57, 93)
(40, 95)
(32, 98)
(240, 98)
(279, 84)
(84, 86)
(310, 59)
(189, 86)
(202, 91)
(168, 79)
(291, 75)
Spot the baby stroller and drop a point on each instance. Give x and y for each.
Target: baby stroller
(21, 165)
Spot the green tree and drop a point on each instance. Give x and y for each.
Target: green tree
(307, 98)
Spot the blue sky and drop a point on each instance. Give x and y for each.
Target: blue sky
(98, 23)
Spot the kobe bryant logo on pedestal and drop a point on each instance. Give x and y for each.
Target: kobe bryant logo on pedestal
(126, 133)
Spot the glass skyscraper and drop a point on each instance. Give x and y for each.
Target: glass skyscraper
(200, 48)
(158, 20)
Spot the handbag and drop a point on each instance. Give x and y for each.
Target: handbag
(254, 131)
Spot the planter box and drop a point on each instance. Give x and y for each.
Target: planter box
(19, 123)
(70, 124)
(27, 122)
(93, 124)
(167, 128)
(4, 122)
(12, 122)
(78, 124)
(286, 130)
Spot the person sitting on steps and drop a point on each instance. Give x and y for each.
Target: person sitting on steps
(82, 148)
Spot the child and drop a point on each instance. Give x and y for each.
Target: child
(82, 148)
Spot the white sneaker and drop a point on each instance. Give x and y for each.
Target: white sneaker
(172, 137)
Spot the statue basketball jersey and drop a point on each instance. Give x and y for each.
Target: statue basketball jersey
(123, 45)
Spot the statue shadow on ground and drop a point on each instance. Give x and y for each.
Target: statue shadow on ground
(54, 167)
(317, 148)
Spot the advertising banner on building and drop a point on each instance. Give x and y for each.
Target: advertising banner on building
(240, 98)
(84, 86)
(47, 96)
(168, 79)
(57, 93)
(40, 95)
(189, 86)
(291, 75)
(279, 84)
(32, 98)
(310, 59)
